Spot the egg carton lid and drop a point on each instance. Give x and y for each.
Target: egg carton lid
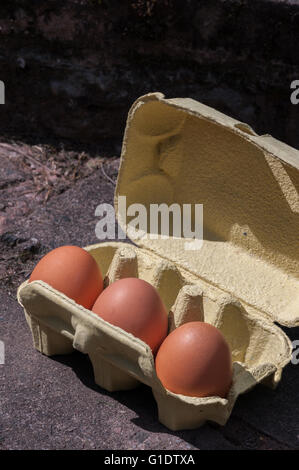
(181, 151)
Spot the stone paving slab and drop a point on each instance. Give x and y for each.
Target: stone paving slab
(53, 403)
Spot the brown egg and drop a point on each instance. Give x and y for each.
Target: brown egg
(195, 360)
(135, 306)
(72, 271)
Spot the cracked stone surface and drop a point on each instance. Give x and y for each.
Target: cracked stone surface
(53, 403)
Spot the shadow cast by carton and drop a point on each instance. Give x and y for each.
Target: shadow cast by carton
(255, 413)
(140, 400)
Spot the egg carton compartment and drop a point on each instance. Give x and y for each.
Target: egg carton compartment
(120, 361)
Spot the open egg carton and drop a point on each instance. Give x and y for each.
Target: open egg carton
(242, 279)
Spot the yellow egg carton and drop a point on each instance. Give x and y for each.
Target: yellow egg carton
(242, 279)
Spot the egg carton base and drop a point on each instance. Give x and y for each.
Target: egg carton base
(122, 362)
(173, 414)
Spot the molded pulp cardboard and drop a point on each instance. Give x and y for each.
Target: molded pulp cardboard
(242, 280)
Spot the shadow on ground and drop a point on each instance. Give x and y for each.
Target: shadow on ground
(261, 419)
